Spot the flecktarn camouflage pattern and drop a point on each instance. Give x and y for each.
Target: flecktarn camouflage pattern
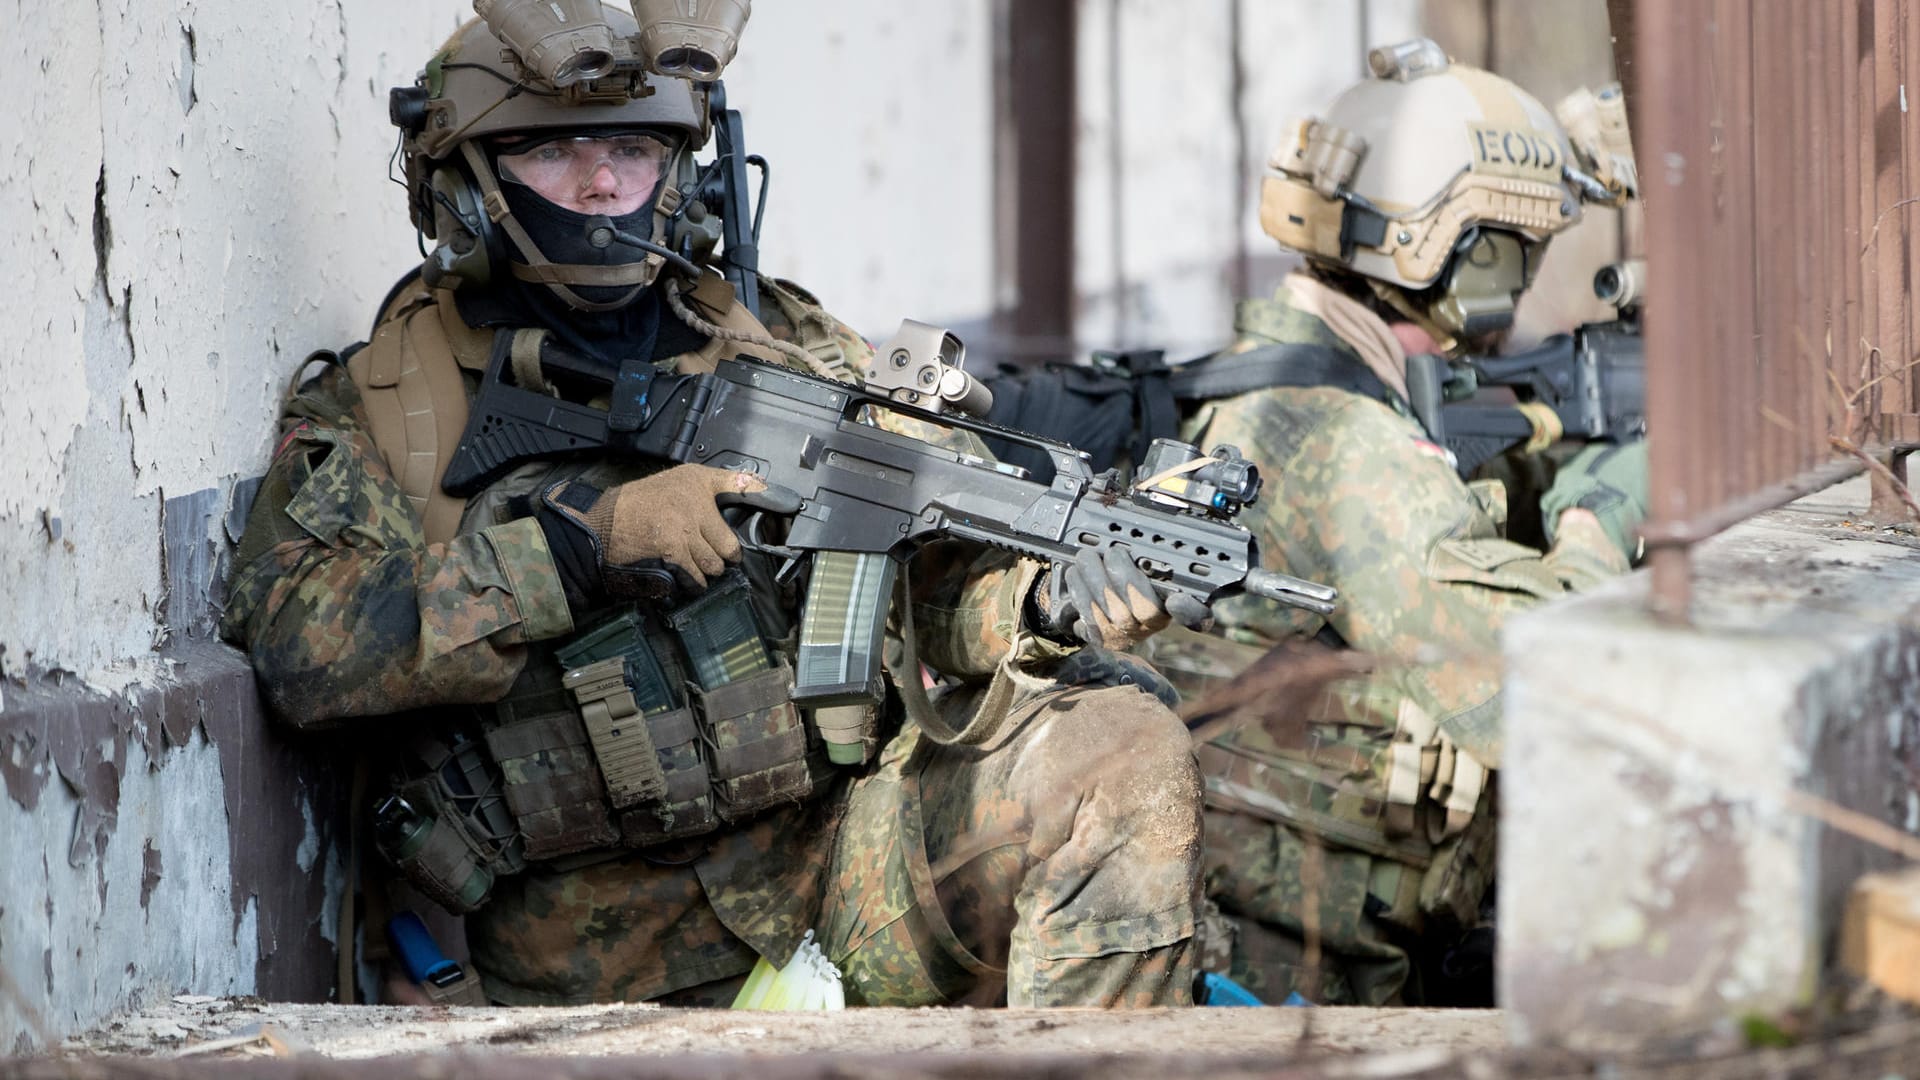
(1369, 816)
(1058, 865)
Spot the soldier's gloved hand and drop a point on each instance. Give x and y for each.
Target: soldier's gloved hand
(1611, 482)
(651, 538)
(1103, 599)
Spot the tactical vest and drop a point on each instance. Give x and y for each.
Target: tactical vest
(643, 727)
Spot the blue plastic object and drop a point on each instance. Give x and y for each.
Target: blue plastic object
(1220, 990)
(424, 961)
(1294, 1000)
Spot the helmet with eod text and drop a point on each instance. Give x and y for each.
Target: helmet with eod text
(1440, 184)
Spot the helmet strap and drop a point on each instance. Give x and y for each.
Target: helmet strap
(544, 271)
(1397, 300)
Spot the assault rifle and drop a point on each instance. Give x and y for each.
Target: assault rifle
(1593, 380)
(869, 497)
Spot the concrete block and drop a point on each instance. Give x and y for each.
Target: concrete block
(1656, 875)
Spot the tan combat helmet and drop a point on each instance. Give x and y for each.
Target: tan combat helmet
(476, 88)
(1440, 185)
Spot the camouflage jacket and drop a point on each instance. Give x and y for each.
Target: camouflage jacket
(1358, 498)
(348, 612)
(349, 615)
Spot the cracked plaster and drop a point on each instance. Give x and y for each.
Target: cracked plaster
(192, 206)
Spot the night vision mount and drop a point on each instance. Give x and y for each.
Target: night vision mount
(564, 42)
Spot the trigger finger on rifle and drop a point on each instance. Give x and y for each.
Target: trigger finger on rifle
(774, 499)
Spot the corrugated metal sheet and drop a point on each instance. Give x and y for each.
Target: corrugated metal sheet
(1780, 164)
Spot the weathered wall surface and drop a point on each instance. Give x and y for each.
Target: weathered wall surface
(1180, 105)
(192, 196)
(1659, 872)
(161, 839)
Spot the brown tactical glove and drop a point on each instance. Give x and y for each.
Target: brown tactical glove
(1103, 599)
(652, 538)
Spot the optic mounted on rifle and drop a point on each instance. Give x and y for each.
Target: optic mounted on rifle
(924, 365)
(1178, 475)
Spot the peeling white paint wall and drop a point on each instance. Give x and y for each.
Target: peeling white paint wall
(84, 932)
(193, 196)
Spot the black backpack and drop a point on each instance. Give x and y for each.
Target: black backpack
(1125, 400)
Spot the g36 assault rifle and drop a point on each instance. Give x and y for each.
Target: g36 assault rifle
(869, 497)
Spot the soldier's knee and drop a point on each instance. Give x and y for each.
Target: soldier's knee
(1124, 762)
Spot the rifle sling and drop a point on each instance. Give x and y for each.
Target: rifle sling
(1275, 365)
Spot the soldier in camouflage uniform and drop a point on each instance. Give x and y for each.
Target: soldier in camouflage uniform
(1031, 835)
(1422, 202)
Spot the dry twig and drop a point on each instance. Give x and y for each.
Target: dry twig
(1878, 468)
(1874, 236)
(1287, 681)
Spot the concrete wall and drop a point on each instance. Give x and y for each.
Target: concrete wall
(192, 197)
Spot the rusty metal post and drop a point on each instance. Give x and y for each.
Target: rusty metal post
(1670, 570)
(1626, 67)
(1667, 46)
(1780, 175)
(1888, 506)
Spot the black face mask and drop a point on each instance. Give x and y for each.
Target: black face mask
(561, 235)
(644, 328)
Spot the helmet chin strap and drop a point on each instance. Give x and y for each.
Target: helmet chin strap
(542, 270)
(1447, 342)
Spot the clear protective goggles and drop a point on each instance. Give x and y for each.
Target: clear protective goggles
(564, 166)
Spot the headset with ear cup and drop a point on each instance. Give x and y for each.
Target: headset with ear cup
(468, 245)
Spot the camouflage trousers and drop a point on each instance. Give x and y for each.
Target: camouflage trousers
(1058, 866)
(1300, 914)
(1270, 883)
